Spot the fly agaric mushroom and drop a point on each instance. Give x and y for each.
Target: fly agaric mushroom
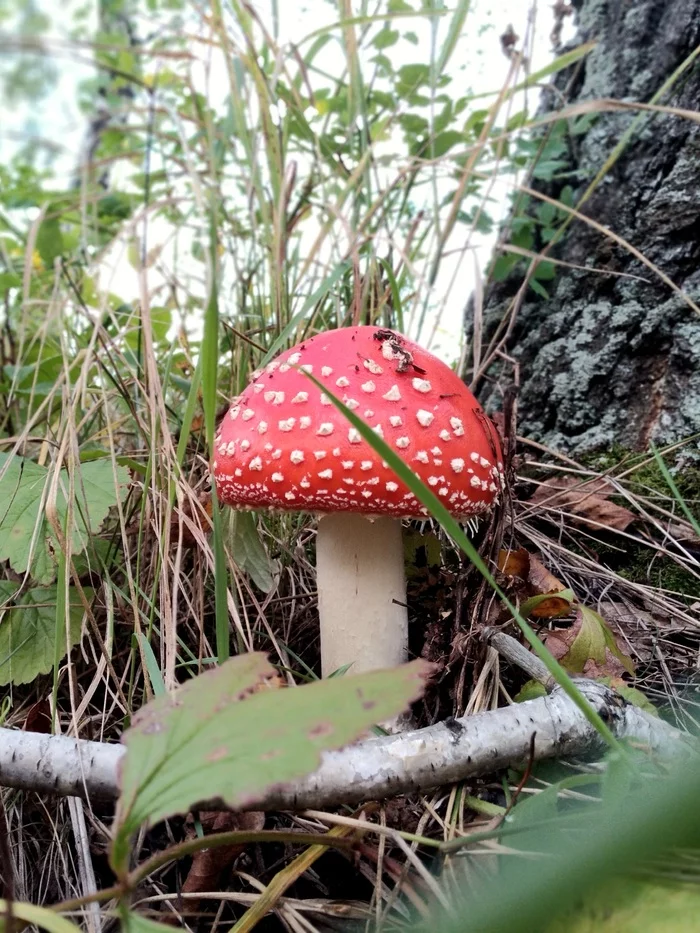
(284, 445)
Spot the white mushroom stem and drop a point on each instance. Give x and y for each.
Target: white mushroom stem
(361, 592)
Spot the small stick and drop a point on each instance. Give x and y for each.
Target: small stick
(517, 654)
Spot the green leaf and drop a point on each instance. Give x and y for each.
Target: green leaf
(42, 917)
(546, 212)
(454, 33)
(443, 142)
(26, 538)
(591, 641)
(413, 123)
(28, 631)
(132, 922)
(546, 169)
(421, 549)
(545, 271)
(503, 266)
(38, 378)
(9, 280)
(152, 666)
(412, 77)
(249, 552)
(530, 690)
(539, 289)
(161, 320)
(634, 906)
(228, 735)
(49, 239)
(385, 38)
(634, 696)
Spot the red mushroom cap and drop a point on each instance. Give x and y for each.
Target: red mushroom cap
(283, 444)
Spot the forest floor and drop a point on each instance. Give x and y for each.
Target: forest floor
(604, 556)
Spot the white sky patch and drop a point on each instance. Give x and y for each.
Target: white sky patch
(477, 66)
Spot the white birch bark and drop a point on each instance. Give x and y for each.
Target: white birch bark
(377, 767)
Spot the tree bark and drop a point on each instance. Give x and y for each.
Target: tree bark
(606, 358)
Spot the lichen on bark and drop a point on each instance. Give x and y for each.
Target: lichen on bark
(610, 358)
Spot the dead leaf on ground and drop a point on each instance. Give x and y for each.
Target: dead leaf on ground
(543, 596)
(588, 502)
(209, 865)
(39, 718)
(589, 647)
(514, 563)
(196, 521)
(541, 579)
(548, 605)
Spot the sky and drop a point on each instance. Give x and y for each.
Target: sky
(478, 65)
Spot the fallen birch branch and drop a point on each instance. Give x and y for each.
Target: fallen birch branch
(377, 767)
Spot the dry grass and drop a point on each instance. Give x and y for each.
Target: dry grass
(286, 235)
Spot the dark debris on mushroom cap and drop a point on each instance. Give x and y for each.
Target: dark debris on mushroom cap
(283, 444)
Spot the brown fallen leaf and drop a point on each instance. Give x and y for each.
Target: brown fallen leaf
(588, 647)
(193, 519)
(208, 865)
(527, 569)
(587, 501)
(514, 563)
(39, 718)
(548, 605)
(541, 580)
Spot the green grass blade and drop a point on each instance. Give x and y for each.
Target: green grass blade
(314, 299)
(210, 364)
(675, 490)
(152, 665)
(453, 529)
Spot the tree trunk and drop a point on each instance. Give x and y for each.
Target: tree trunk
(606, 358)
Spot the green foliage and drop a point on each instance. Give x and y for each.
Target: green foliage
(32, 636)
(42, 917)
(592, 642)
(133, 922)
(230, 735)
(27, 539)
(203, 235)
(250, 553)
(611, 861)
(632, 906)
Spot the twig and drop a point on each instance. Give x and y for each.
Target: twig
(511, 649)
(377, 767)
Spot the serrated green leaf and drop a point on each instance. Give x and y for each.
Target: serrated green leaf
(228, 735)
(249, 552)
(28, 631)
(25, 535)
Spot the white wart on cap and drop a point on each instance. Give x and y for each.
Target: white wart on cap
(284, 445)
